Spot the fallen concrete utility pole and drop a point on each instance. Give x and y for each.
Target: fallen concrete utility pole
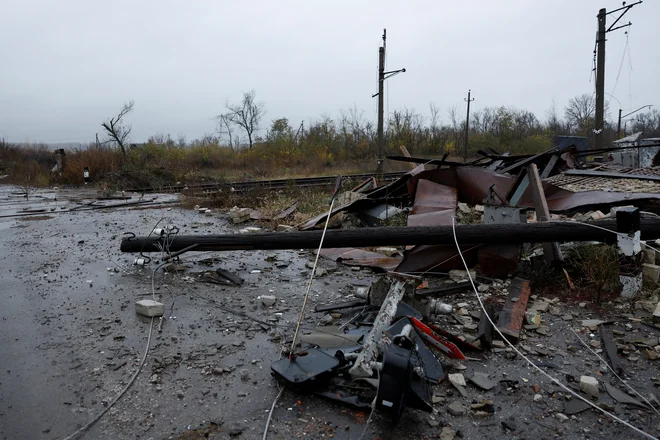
(400, 236)
(363, 364)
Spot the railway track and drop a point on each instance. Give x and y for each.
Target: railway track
(246, 185)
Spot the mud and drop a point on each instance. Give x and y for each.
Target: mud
(70, 341)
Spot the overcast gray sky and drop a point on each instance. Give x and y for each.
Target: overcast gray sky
(67, 65)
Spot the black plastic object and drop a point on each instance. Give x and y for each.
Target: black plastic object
(627, 220)
(403, 309)
(310, 366)
(431, 367)
(395, 380)
(343, 397)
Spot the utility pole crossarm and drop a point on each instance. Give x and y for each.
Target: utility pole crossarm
(600, 68)
(382, 76)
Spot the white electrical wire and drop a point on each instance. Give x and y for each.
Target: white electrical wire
(270, 414)
(135, 375)
(613, 232)
(614, 372)
(540, 370)
(311, 277)
(128, 385)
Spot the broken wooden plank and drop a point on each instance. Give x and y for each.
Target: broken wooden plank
(610, 350)
(550, 166)
(485, 330)
(551, 250)
(405, 152)
(513, 313)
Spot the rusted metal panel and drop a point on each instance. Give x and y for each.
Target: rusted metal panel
(472, 186)
(513, 312)
(353, 206)
(286, 211)
(434, 205)
(362, 258)
(436, 258)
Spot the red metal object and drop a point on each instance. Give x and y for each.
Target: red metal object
(513, 312)
(453, 338)
(436, 341)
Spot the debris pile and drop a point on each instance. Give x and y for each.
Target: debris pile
(457, 288)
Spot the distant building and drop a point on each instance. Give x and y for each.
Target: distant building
(580, 142)
(635, 157)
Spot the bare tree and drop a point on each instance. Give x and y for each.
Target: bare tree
(116, 129)
(552, 118)
(580, 111)
(181, 140)
(224, 127)
(247, 114)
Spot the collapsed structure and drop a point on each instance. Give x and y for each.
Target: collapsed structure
(468, 225)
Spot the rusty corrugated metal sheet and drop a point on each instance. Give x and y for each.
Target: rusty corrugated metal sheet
(434, 205)
(360, 257)
(472, 185)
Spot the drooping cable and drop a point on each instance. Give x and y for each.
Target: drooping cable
(539, 369)
(614, 372)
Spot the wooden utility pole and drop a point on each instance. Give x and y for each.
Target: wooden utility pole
(599, 129)
(467, 127)
(381, 82)
(600, 80)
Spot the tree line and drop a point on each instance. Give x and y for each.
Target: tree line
(352, 136)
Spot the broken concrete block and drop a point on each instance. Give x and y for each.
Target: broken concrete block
(656, 313)
(285, 228)
(463, 207)
(239, 215)
(457, 379)
(268, 300)
(651, 272)
(149, 307)
(539, 306)
(533, 318)
(589, 385)
(596, 215)
(648, 256)
(456, 409)
(461, 275)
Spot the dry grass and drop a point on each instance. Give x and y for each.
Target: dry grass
(269, 203)
(596, 267)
